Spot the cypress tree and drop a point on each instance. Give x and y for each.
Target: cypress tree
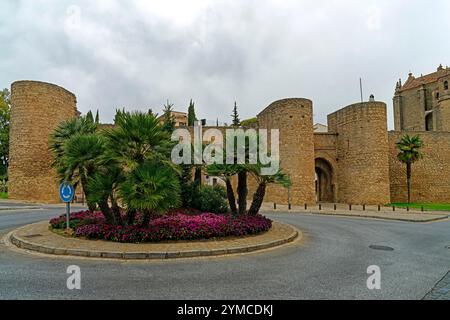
(235, 117)
(191, 114)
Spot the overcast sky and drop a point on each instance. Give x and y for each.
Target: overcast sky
(137, 54)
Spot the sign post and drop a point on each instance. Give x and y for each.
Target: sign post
(66, 193)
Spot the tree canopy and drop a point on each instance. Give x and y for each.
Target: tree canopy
(5, 115)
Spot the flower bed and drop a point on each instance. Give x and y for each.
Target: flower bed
(174, 226)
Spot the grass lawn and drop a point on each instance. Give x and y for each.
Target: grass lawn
(426, 206)
(3, 195)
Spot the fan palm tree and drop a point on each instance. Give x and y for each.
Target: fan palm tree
(64, 131)
(136, 138)
(102, 188)
(263, 181)
(151, 188)
(409, 152)
(82, 154)
(225, 172)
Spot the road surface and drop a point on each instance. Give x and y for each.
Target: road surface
(329, 263)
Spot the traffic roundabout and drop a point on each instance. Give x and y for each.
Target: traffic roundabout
(38, 238)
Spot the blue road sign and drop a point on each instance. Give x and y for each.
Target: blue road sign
(66, 192)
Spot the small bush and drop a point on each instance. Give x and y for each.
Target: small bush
(205, 198)
(211, 199)
(189, 191)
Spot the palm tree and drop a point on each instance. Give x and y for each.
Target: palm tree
(81, 158)
(225, 172)
(102, 189)
(242, 190)
(151, 188)
(409, 152)
(137, 137)
(264, 180)
(64, 131)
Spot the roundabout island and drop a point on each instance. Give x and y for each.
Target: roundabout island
(39, 238)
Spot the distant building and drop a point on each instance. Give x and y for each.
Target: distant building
(423, 103)
(180, 118)
(318, 127)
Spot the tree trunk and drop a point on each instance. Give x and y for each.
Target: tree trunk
(146, 218)
(109, 218)
(116, 211)
(92, 206)
(131, 213)
(242, 192)
(230, 196)
(408, 180)
(258, 198)
(198, 176)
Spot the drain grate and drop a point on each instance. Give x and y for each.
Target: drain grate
(384, 248)
(33, 235)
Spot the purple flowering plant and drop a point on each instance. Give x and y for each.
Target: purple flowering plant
(172, 226)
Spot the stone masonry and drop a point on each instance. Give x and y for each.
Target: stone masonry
(37, 109)
(354, 162)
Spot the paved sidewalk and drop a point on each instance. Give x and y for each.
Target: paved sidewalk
(387, 213)
(38, 237)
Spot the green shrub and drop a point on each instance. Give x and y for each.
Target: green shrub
(210, 199)
(189, 191)
(205, 198)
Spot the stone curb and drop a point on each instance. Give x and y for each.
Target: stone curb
(443, 217)
(324, 213)
(150, 255)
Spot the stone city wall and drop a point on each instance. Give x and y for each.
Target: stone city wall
(430, 175)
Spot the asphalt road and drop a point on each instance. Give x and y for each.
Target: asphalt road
(330, 263)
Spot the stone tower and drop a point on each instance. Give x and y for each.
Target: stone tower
(36, 110)
(293, 118)
(362, 153)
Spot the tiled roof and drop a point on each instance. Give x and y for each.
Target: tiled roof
(413, 82)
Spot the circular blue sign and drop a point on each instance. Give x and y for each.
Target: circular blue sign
(66, 192)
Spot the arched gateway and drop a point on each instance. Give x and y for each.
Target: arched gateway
(325, 186)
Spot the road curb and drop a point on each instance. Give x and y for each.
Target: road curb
(381, 217)
(152, 255)
(377, 217)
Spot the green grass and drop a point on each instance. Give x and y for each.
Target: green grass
(426, 206)
(3, 195)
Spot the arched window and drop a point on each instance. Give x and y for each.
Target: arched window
(445, 85)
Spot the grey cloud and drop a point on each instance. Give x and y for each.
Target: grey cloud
(125, 54)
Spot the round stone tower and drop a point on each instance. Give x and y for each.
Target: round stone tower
(362, 153)
(293, 119)
(36, 110)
